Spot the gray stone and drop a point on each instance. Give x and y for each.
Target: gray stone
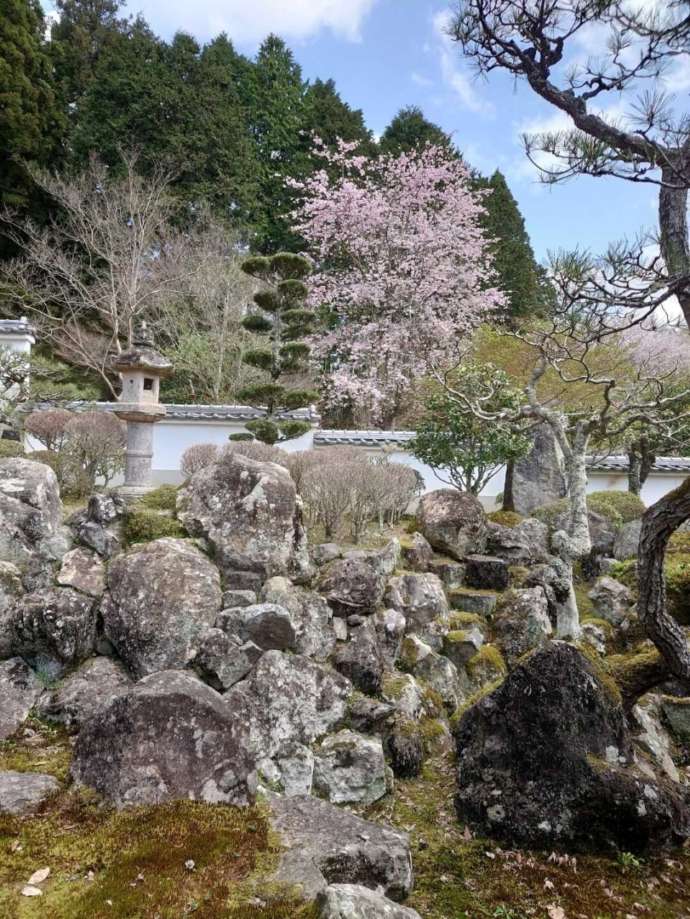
(84, 571)
(310, 614)
(163, 596)
(352, 901)
(435, 669)
(452, 574)
(10, 591)
(453, 522)
(612, 600)
(32, 535)
(521, 622)
(383, 561)
(626, 541)
(677, 716)
(352, 585)
(325, 552)
(340, 628)
(324, 844)
(650, 734)
(419, 597)
(486, 572)
(369, 716)
(523, 544)
(291, 771)
(244, 581)
(472, 601)
(170, 736)
(23, 792)
(84, 693)
(539, 478)
(418, 555)
(360, 659)
(19, 690)
(405, 748)
(54, 629)
(237, 598)
(288, 699)
(266, 624)
(99, 526)
(595, 636)
(250, 514)
(461, 645)
(350, 768)
(405, 693)
(390, 627)
(223, 660)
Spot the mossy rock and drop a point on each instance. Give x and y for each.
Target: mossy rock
(143, 525)
(677, 574)
(509, 519)
(459, 621)
(487, 664)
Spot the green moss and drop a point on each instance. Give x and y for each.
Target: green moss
(163, 498)
(459, 621)
(584, 604)
(407, 658)
(505, 518)
(488, 658)
(50, 751)
(147, 525)
(518, 575)
(634, 670)
(9, 448)
(393, 686)
(603, 624)
(676, 573)
(602, 672)
(456, 637)
(679, 543)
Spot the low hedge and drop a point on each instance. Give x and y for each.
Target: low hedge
(145, 525)
(163, 498)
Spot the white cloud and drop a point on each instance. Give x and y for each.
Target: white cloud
(420, 80)
(249, 21)
(453, 74)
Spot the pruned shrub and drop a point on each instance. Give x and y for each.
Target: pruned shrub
(145, 525)
(163, 498)
(49, 427)
(261, 452)
(612, 504)
(197, 457)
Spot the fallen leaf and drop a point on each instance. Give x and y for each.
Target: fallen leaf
(30, 891)
(38, 877)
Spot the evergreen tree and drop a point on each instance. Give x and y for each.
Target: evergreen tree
(521, 278)
(327, 116)
(30, 120)
(410, 130)
(284, 319)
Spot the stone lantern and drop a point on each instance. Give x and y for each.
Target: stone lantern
(141, 368)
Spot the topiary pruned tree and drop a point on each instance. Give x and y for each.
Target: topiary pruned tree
(282, 316)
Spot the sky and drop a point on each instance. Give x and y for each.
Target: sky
(386, 54)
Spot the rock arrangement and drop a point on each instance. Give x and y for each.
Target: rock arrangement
(236, 663)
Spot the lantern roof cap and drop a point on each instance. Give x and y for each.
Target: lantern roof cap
(142, 355)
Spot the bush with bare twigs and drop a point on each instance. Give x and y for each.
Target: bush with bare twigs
(197, 457)
(49, 427)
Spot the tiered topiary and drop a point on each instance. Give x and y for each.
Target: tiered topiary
(282, 316)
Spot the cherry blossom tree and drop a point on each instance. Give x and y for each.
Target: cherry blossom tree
(402, 267)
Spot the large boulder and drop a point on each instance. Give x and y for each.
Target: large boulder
(83, 570)
(546, 760)
(352, 901)
(170, 736)
(350, 768)
(627, 540)
(539, 478)
(310, 614)
(453, 522)
(521, 622)
(23, 792)
(419, 597)
(360, 658)
(352, 585)
(10, 590)
(31, 531)
(523, 544)
(163, 596)
(223, 660)
(324, 844)
(611, 600)
(486, 572)
(19, 690)
(249, 513)
(418, 554)
(54, 629)
(287, 698)
(83, 693)
(267, 625)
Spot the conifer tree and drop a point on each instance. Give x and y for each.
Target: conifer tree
(282, 316)
(411, 130)
(332, 119)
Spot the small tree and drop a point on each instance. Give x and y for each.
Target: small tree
(49, 427)
(96, 447)
(463, 450)
(282, 316)
(197, 457)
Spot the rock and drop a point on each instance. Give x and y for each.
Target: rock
(677, 715)
(309, 613)
(418, 555)
(452, 574)
(523, 544)
(453, 522)
(383, 561)
(85, 692)
(352, 585)
(237, 598)
(266, 624)
(350, 768)
(546, 760)
(163, 596)
(23, 792)
(539, 478)
(249, 513)
(405, 748)
(324, 844)
(170, 736)
(486, 667)
(521, 623)
(10, 591)
(554, 579)
(223, 660)
(99, 527)
(612, 600)
(602, 532)
(419, 597)
(626, 541)
(405, 693)
(436, 670)
(291, 770)
(19, 690)
(340, 629)
(486, 572)
(351, 901)
(289, 699)
(325, 552)
(651, 735)
(390, 629)
(31, 532)
(54, 629)
(244, 581)
(595, 636)
(84, 571)
(472, 601)
(369, 716)
(360, 660)
(462, 644)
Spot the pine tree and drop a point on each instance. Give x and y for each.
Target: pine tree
(327, 116)
(410, 130)
(521, 278)
(284, 319)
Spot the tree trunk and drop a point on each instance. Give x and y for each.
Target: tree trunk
(658, 524)
(508, 497)
(634, 472)
(673, 240)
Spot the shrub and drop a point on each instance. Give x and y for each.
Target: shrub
(612, 504)
(261, 452)
(95, 447)
(163, 498)
(49, 427)
(197, 457)
(144, 525)
(11, 448)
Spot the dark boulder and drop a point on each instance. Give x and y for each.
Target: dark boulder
(360, 659)
(486, 572)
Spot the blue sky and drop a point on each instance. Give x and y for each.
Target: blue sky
(385, 54)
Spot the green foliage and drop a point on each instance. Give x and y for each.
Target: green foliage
(616, 504)
(163, 498)
(10, 448)
(410, 130)
(292, 428)
(463, 450)
(145, 525)
(264, 429)
(505, 518)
